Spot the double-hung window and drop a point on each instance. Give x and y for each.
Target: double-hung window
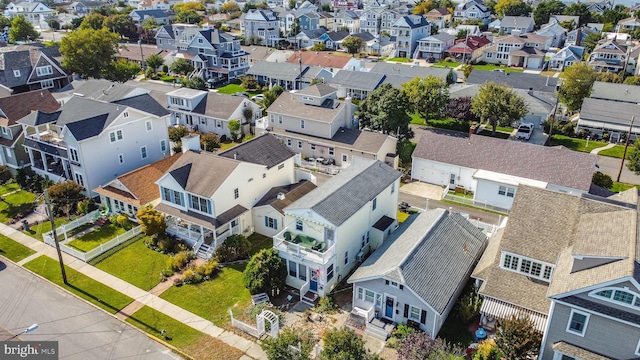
(200, 204)
(578, 321)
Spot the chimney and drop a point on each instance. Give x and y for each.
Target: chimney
(280, 196)
(191, 142)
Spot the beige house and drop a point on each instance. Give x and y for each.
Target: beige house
(521, 50)
(315, 124)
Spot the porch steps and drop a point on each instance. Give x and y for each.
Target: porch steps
(202, 252)
(378, 329)
(309, 298)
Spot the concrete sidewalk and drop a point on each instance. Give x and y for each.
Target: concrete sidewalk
(597, 150)
(251, 349)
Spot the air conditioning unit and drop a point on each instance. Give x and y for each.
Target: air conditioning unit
(360, 256)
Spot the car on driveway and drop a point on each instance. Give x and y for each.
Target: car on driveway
(258, 97)
(524, 131)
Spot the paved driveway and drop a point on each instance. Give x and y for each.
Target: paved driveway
(82, 331)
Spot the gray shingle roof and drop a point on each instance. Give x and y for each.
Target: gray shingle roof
(291, 193)
(408, 71)
(608, 111)
(105, 90)
(616, 92)
(516, 21)
(432, 256)
(357, 79)
(281, 71)
(144, 103)
(346, 193)
(264, 150)
(358, 140)
(515, 80)
(318, 90)
(191, 170)
(554, 165)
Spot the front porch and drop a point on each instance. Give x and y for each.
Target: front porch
(365, 317)
(49, 158)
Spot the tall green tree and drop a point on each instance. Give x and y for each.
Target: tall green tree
(53, 24)
(22, 30)
(512, 8)
(121, 70)
(88, 52)
(154, 61)
(151, 220)
(517, 339)
(121, 24)
(4, 22)
(65, 196)
(291, 344)
(386, 109)
(428, 96)
(591, 41)
(181, 66)
(234, 129)
(195, 83)
(93, 21)
(633, 158)
(581, 10)
(266, 270)
(352, 44)
(344, 344)
(545, 9)
(271, 95)
(188, 17)
(498, 105)
(577, 83)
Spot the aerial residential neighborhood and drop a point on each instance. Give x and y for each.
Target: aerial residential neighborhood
(373, 179)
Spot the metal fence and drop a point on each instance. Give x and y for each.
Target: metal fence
(102, 248)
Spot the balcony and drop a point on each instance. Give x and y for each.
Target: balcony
(50, 138)
(436, 49)
(304, 247)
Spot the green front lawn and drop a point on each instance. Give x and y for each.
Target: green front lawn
(13, 250)
(148, 264)
(417, 119)
(186, 339)
(399, 59)
(229, 144)
(615, 152)
(234, 88)
(96, 237)
(16, 203)
(620, 187)
(36, 230)
(223, 292)
(80, 284)
(450, 64)
(4, 189)
(489, 67)
(576, 144)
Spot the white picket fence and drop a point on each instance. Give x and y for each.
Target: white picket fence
(63, 229)
(251, 330)
(87, 256)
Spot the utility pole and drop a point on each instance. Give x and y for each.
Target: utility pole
(626, 145)
(55, 236)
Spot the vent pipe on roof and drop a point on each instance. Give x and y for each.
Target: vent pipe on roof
(280, 196)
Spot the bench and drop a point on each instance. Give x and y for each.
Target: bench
(259, 298)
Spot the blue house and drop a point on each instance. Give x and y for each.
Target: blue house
(333, 39)
(309, 21)
(139, 16)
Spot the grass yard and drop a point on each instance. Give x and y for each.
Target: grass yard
(417, 119)
(16, 203)
(615, 152)
(5, 189)
(259, 242)
(500, 128)
(446, 64)
(229, 144)
(37, 230)
(398, 59)
(575, 143)
(489, 67)
(192, 342)
(13, 250)
(223, 292)
(96, 237)
(234, 88)
(80, 284)
(148, 264)
(619, 187)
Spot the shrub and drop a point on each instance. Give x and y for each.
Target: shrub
(151, 242)
(235, 247)
(326, 305)
(207, 270)
(469, 305)
(266, 270)
(86, 206)
(420, 346)
(402, 331)
(487, 350)
(601, 179)
(165, 68)
(450, 124)
(5, 174)
(189, 276)
(393, 342)
(165, 244)
(166, 272)
(122, 220)
(180, 260)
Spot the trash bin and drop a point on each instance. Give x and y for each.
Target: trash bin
(480, 334)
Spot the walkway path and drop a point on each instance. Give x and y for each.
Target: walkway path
(251, 349)
(608, 146)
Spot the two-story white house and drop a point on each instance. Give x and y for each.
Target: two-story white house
(347, 20)
(408, 30)
(261, 27)
(37, 13)
(206, 197)
(472, 10)
(329, 230)
(522, 50)
(210, 112)
(91, 142)
(321, 128)
(434, 46)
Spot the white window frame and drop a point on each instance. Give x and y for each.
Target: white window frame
(302, 124)
(346, 257)
(115, 136)
(125, 114)
(410, 317)
(271, 222)
(47, 84)
(143, 152)
(635, 302)
(332, 151)
(299, 144)
(516, 263)
(163, 145)
(508, 191)
(44, 70)
(73, 154)
(299, 225)
(16, 73)
(236, 193)
(586, 322)
(79, 179)
(289, 142)
(148, 125)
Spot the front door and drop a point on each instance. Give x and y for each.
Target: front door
(388, 309)
(313, 283)
(452, 181)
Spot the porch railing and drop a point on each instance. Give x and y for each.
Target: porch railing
(301, 251)
(199, 243)
(303, 289)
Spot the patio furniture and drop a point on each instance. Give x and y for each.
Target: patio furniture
(297, 239)
(320, 247)
(287, 235)
(259, 298)
(480, 334)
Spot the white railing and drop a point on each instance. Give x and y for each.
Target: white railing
(63, 229)
(364, 309)
(198, 243)
(471, 202)
(87, 256)
(303, 289)
(302, 251)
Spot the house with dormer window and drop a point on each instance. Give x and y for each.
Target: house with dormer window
(609, 56)
(35, 12)
(314, 123)
(90, 141)
(518, 49)
(407, 31)
(206, 197)
(210, 112)
(32, 67)
(346, 20)
(440, 17)
(472, 10)
(321, 245)
(402, 282)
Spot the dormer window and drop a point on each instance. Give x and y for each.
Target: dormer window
(526, 266)
(620, 296)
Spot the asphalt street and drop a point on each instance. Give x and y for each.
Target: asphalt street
(82, 331)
